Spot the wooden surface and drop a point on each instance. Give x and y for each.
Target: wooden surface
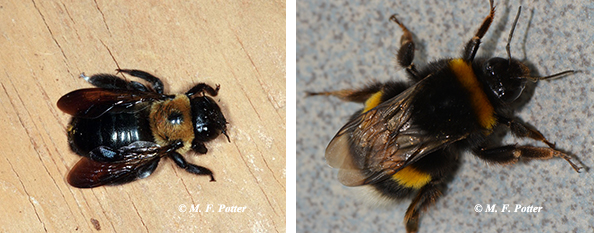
(240, 45)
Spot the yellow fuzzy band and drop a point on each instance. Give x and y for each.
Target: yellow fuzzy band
(479, 101)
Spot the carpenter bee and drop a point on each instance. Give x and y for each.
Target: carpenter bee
(123, 128)
(407, 138)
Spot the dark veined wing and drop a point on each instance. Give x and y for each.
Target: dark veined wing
(107, 166)
(94, 102)
(378, 143)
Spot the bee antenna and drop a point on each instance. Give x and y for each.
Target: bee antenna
(554, 76)
(511, 33)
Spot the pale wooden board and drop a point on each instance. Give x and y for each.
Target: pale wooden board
(240, 45)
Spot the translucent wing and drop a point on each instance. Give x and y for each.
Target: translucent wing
(378, 143)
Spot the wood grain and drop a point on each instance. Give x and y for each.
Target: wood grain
(240, 45)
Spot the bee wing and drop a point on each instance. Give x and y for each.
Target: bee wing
(378, 143)
(139, 160)
(94, 102)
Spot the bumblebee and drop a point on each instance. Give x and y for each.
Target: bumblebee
(407, 138)
(123, 128)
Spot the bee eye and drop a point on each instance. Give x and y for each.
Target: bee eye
(505, 78)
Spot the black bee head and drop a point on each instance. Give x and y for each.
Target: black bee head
(505, 78)
(207, 118)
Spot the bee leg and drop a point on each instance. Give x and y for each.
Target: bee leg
(425, 197)
(191, 168)
(352, 95)
(520, 129)
(388, 89)
(155, 82)
(201, 88)
(109, 81)
(406, 53)
(472, 46)
(509, 154)
(199, 147)
(147, 170)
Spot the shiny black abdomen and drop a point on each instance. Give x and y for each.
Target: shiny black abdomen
(113, 130)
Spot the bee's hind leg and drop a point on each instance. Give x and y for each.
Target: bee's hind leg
(425, 198)
(383, 91)
(352, 95)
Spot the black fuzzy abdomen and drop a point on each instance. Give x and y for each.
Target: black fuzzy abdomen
(113, 130)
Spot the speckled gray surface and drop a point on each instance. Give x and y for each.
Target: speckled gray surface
(345, 44)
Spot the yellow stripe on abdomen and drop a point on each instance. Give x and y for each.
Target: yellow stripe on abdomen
(479, 101)
(411, 178)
